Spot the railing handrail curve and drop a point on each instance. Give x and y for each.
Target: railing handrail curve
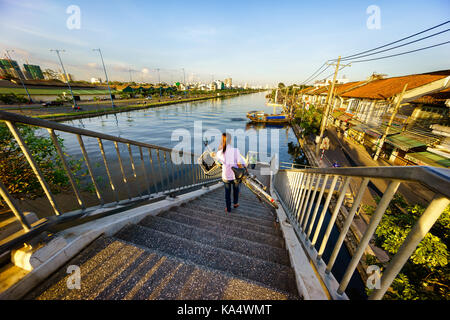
(17, 118)
(436, 179)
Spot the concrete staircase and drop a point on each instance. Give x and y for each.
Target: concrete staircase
(194, 251)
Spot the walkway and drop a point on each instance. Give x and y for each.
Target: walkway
(193, 251)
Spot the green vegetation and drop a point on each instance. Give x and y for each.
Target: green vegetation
(17, 174)
(12, 98)
(53, 91)
(426, 275)
(309, 120)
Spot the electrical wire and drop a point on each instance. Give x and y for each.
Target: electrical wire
(394, 42)
(402, 53)
(402, 45)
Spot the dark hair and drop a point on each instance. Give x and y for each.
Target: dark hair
(224, 142)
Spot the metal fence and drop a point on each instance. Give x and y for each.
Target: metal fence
(301, 190)
(162, 175)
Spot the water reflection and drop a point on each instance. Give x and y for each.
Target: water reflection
(297, 154)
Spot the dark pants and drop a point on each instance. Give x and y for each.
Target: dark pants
(228, 186)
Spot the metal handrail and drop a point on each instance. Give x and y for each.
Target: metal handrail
(299, 189)
(167, 177)
(434, 178)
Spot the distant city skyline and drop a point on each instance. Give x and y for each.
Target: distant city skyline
(254, 42)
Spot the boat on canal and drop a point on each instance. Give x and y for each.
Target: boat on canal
(262, 117)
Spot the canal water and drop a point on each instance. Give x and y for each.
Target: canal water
(156, 125)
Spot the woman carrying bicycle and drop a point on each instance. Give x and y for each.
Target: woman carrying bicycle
(229, 157)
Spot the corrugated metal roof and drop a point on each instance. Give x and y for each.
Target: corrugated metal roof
(426, 158)
(404, 141)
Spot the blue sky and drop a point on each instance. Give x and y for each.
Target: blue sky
(259, 42)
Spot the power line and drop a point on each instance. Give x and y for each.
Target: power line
(402, 53)
(314, 75)
(307, 79)
(394, 42)
(402, 45)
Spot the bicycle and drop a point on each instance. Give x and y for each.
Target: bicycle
(256, 186)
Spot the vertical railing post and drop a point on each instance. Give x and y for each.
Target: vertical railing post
(316, 207)
(124, 177)
(91, 172)
(333, 218)
(108, 172)
(301, 199)
(66, 168)
(324, 210)
(14, 208)
(417, 233)
(374, 221)
(147, 183)
(134, 171)
(308, 211)
(294, 180)
(153, 171)
(305, 204)
(169, 180)
(15, 132)
(347, 223)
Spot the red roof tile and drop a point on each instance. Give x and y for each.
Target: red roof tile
(386, 88)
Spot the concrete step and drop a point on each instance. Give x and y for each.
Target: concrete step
(195, 221)
(232, 215)
(249, 248)
(252, 203)
(114, 269)
(268, 273)
(257, 207)
(231, 222)
(220, 209)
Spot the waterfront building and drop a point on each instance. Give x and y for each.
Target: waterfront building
(96, 80)
(65, 78)
(228, 83)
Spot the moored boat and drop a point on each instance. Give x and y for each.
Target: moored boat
(261, 116)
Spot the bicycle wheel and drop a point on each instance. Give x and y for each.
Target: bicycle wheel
(260, 193)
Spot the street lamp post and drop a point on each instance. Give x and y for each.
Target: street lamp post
(106, 76)
(67, 77)
(159, 82)
(184, 83)
(20, 78)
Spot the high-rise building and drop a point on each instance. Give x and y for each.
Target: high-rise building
(228, 82)
(63, 77)
(34, 72)
(11, 68)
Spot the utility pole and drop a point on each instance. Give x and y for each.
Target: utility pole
(106, 76)
(293, 100)
(285, 99)
(67, 77)
(8, 55)
(327, 104)
(383, 138)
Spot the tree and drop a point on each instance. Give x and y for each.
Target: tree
(426, 275)
(281, 85)
(50, 74)
(17, 174)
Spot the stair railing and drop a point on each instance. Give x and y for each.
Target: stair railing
(163, 177)
(306, 194)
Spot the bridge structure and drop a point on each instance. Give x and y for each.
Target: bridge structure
(166, 236)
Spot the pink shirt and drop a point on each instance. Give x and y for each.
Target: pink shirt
(230, 159)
